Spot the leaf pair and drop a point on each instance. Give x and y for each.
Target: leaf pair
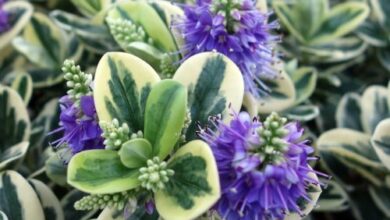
(313, 22)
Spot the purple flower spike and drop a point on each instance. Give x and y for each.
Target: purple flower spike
(236, 29)
(4, 19)
(79, 125)
(263, 167)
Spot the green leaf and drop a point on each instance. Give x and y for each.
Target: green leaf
(338, 50)
(122, 84)
(165, 113)
(303, 112)
(348, 113)
(20, 12)
(23, 85)
(309, 14)
(361, 201)
(56, 170)
(15, 127)
(100, 171)
(42, 42)
(333, 199)
(12, 155)
(17, 198)
(288, 19)
(148, 53)
(282, 95)
(383, 55)
(374, 107)
(150, 18)
(381, 142)
(381, 197)
(342, 19)
(135, 153)
(95, 37)
(194, 188)
(353, 153)
(381, 11)
(3, 216)
(372, 33)
(213, 82)
(51, 205)
(305, 81)
(91, 8)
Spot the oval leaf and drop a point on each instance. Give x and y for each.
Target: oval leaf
(214, 83)
(24, 86)
(135, 153)
(374, 107)
(100, 171)
(164, 116)
(18, 199)
(195, 168)
(381, 142)
(122, 84)
(348, 113)
(51, 205)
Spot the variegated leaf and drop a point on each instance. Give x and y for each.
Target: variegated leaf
(15, 127)
(303, 112)
(18, 199)
(374, 107)
(23, 85)
(100, 171)
(381, 10)
(355, 152)
(381, 197)
(195, 167)
(282, 95)
(348, 113)
(165, 113)
(383, 55)
(151, 18)
(3, 216)
(56, 169)
(333, 199)
(214, 83)
(91, 8)
(122, 84)
(381, 141)
(338, 50)
(95, 37)
(42, 42)
(20, 12)
(305, 81)
(372, 33)
(340, 20)
(12, 155)
(51, 205)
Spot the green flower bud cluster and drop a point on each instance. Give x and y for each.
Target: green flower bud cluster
(78, 82)
(101, 201)
(271, 134)
(114, 134)
(125, 31)
(155, 174)
(167, 66)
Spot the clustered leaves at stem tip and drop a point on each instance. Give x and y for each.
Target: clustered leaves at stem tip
(115, 134)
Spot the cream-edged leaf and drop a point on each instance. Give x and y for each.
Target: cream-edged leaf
(23, 85)
(381, 141)
(214, 83)
(18, 199)
(194, 165)
(122, 84)
(100, 171)
(51, 205)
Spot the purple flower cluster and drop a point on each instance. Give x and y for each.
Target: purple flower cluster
(263, 167)
(4, 20)
(79, 125)
(237, 29)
